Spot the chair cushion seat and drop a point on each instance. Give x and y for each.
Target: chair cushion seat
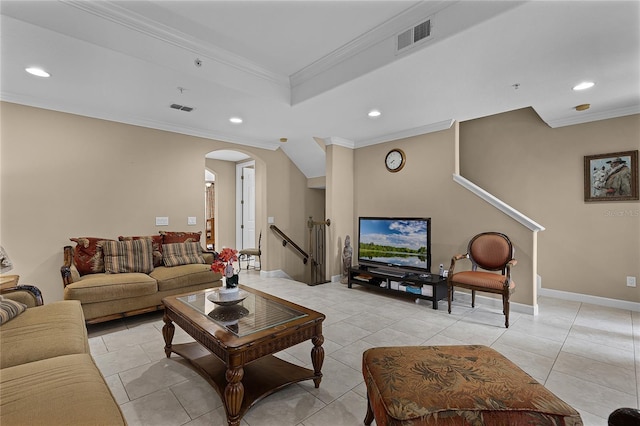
(456, 385)
(183, 276)
(103, 287)
(481, 279)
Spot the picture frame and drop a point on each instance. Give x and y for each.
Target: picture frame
(611, 177)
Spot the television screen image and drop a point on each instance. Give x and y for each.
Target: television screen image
(396, 242)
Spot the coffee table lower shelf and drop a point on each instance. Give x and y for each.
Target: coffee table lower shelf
(263, 376)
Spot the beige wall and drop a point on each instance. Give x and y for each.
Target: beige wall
(425, 188)
(66, 176)
(587, 248)
(340, 202)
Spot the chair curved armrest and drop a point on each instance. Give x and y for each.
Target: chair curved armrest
(507, 270)
(454, 259)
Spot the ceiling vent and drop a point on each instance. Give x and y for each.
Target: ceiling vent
(182, 107)
(413, 35)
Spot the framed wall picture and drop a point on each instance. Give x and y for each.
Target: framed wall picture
(611, 177)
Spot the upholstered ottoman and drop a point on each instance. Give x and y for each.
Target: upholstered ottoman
(456, 385)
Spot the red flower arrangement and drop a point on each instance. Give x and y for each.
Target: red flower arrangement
(224, 262)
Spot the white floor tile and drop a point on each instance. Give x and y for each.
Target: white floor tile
(587, 355)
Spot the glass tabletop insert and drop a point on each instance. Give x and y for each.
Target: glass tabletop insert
(250, 314)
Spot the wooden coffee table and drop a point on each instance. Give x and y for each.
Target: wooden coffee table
(236, 343)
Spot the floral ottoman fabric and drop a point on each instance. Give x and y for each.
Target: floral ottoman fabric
(456, 385)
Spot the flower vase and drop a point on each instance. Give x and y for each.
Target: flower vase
(230, 284)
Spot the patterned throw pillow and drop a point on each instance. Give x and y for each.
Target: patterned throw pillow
(128, 256)
(156, 243)
(87, 255)
(169, 237)
(9, 309)
(182, 254)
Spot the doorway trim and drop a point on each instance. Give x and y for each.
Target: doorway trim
(240, 204)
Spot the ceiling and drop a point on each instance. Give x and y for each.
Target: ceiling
(309, 71)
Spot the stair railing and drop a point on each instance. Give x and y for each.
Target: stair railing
(286, 240)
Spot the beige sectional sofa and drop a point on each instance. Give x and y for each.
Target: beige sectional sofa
(131, 275)
(47, 374)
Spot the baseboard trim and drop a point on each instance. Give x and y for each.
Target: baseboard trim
(494, 303)
(277, 273)
(515, 307)
(586, 298)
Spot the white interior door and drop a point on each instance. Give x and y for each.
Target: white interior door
(245, 205)
(249, 208)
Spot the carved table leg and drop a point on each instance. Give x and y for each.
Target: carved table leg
(167, 332)
(233, 395)
(317, 358)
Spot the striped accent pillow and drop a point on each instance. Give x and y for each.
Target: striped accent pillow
(182, 254)
(128, 256)
(9, 309)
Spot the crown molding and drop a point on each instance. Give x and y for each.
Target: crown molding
(429, 128)
(135, 121)
(136, 22)
(589, 117)
(337, 140)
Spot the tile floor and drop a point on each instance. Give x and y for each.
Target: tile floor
(587, 355)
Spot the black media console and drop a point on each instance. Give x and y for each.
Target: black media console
(431, 287)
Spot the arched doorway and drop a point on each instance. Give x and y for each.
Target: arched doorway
(238, 202)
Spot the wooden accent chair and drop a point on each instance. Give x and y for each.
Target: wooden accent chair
(491, 251)
(248, 253)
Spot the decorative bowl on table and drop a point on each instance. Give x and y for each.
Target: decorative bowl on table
(226, 299)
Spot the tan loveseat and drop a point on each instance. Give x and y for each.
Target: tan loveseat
(107, 289)
(47, 374)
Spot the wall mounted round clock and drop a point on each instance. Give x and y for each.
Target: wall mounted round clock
(395, 160)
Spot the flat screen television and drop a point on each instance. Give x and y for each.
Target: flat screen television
(399, 242)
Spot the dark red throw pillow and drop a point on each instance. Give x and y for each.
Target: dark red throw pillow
(87, 255)
(170, 237)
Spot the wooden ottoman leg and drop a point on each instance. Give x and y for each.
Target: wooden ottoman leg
(369, 417)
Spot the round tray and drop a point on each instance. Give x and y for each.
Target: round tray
(226, 299)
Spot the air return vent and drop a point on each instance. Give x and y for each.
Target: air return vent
(413, 35)
(182, 107)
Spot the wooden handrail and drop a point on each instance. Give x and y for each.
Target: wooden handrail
(286, 240)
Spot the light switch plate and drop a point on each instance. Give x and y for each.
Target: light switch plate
(191, 220)
(271, 219)
(162, 221)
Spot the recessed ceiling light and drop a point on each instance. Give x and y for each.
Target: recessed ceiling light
(39, 72)
(584, 85)
(374, 113)
(236, 120)
(283, 140)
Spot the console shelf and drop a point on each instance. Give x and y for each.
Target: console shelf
(432, 287)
